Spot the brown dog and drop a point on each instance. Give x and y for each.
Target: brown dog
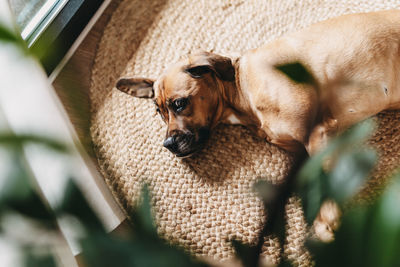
(355, 62)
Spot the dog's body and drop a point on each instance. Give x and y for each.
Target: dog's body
(354, 61)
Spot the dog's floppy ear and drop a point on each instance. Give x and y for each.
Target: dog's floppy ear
(138, 87)
(205, 62)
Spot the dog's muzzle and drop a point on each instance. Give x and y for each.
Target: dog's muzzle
(186, 144)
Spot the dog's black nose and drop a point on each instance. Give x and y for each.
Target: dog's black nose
(170, 143)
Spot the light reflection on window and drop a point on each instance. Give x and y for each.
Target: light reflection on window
(33, 16)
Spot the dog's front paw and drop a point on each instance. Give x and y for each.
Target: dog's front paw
(327, 221)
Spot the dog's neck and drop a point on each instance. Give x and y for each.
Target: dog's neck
(235, 107)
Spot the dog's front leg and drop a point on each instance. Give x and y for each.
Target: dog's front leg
(328, 218)
(327, 221)
(320, 135)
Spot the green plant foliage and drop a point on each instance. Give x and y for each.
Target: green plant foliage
(296, 72)
(349, 173)
(8, 35)
(140, 247)
(246, 253)
(12, 36)
(271, 194)
(267, 191)
(74, 203)
(10, 139)
(18, 194)
(143, 219)
(34, 260)
(350, 167)
(369, 235)
(285, 263)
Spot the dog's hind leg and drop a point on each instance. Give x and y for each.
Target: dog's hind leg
(328, 219)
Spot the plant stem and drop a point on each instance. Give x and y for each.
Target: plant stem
(275, 209)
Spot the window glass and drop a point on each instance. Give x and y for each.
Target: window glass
(33, 16)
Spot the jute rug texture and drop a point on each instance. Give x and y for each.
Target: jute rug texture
(204, 202)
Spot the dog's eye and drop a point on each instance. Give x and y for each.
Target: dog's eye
(180, 104)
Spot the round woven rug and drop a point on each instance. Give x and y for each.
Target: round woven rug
(204, 202)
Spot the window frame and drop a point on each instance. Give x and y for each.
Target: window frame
(55, 35)
(42, 18)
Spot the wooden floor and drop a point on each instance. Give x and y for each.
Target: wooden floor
(72, 85)
(83, 58)
(73, 81)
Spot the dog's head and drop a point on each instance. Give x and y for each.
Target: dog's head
(188, 98)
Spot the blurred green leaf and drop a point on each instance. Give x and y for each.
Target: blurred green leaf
(246, 253)
(143, 248)
(33, 207)
(7, 35)
(357, 134)
(385, 228)
(19, 195)
(312, 195)
(103, 250)
(144, 217)
(12, 36)
(296, 72)
(35, 260)
(369, 235)
(10, 139)
(349, 170)
(267, 191)
(271, 194)
(75, 203)
(19, 192)
(285, 263)
(17, 184)
(349, 174)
